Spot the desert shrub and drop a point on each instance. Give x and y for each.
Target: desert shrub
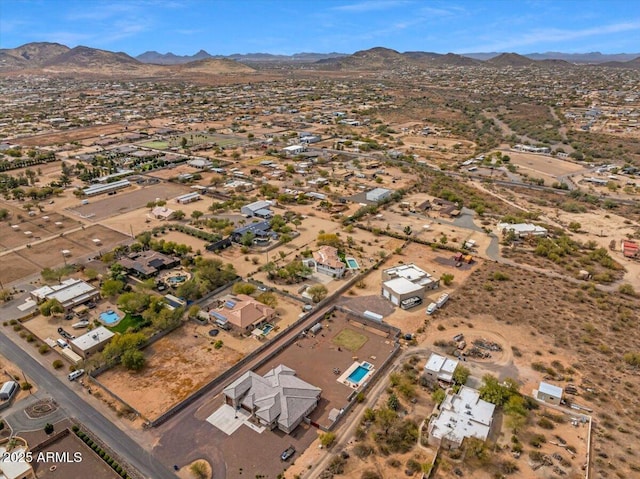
(370, 475)
(537, 440)
(336, 466)
(43, 349)
(362, 451)
(508, 467)
(327, 439)
(545, 423)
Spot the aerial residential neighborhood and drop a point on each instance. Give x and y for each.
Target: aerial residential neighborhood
(369, 265)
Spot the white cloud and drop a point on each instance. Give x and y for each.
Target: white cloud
(551, 35)
(371, 5)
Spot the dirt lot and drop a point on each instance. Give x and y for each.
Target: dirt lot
(104, 206)
(47, 254)
(73, 135)
(314, 359)
(40, 227)
(177, 365)
(544, 165)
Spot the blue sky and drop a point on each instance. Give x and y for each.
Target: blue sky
(291, 26)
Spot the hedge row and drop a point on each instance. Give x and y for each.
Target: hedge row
(101, 452)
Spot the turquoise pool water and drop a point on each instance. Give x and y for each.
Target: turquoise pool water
(267, 328)
(357, 375)
(352, 263)
(109, 317)
(176, 279)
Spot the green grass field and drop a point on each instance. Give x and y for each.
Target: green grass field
(157, 145)
(350, 339)
(127, 322)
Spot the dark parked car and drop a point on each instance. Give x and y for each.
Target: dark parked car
(288, 452)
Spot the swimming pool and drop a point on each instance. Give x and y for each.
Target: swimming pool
(109, 317)
(173, 280)
(352, 263)
(358, 375)
(267, 328)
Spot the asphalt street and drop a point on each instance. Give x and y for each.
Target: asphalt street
(76, 407)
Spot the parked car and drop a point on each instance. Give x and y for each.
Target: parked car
(75, 374)
(288, 453)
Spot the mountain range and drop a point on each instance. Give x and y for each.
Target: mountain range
(60, 59)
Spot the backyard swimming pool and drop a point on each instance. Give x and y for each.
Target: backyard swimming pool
(173, 280)
(267, 328)
(352, 263)
(109, 317)
(357, 375)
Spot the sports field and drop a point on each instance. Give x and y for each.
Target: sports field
(156, 145)
(350, 339)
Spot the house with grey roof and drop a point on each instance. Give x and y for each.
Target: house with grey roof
(277, 399)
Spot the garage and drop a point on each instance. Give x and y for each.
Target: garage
(398, 290)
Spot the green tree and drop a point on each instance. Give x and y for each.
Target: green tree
(51, 307)
(461, 374)
(134, 302)
(243, 288)
(327, 439)
(133, 359)
(199, 470)
(393, 402)
(407, 230)
(111, 288)
(317, 292)
(447, 278)
(574, 226)
(267, 298)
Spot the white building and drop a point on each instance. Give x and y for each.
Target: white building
(13, 465)
(327, 261)
(522, 230)
(70, 293)
(413, 273)
(549, 393)
(378, 194)
(91, 342)
(400, 289)
(261, 209)
(294, 150)
(462, 415)
(162, 213)
(440, 368)
(188, 198)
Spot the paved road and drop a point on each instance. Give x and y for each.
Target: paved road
(117, 440)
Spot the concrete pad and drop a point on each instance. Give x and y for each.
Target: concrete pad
(227, 419)
(29, 303)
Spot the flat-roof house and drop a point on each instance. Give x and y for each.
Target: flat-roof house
(70, 293)
(378, 194)
(522, 230)
(549, 393)
(440, 368)
(261, 209)
(91, 342)
(402, 292)
(404, 285)
(462, 415)
(413, 273)
(294, 150)
(242, 312)
(13, 465)
(188, 198)
(327, 261)
(146, 264)
(162, 213)
(277, 399)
